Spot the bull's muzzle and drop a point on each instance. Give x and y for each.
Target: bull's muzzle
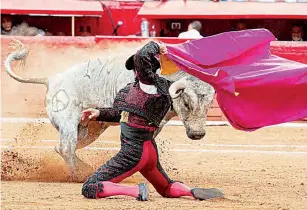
(195, 135)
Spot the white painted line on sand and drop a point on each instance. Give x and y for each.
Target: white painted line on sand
(240, 151)
(24, 120)
(247, 145)
(173, 150)
(170, 123)
(46, 120)
(209, 145)
(6, 140)
(99, 141)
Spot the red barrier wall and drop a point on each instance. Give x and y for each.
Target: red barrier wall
(128, 13)
(50, 55)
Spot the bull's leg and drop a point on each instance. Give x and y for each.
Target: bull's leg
(88, 134)
(78, 168)
(68, 145)
(167, 118)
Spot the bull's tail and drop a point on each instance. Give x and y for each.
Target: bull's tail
(20, 53)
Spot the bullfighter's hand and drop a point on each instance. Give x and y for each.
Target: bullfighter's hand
(163, 49)
(88, 115)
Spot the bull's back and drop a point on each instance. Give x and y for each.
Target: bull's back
(92, 83)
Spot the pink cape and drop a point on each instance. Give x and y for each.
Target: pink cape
(254, 88)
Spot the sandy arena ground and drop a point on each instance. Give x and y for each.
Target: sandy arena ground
(266, 169)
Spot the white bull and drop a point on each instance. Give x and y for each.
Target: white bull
(95, 83)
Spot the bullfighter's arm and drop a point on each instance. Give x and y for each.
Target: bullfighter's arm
(143, 62)
(109, 115)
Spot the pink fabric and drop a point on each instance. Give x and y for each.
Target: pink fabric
(177, 189)
(113, 189)
(271, 89)
(143, 162)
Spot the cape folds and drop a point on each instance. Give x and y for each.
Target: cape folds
(254, 88)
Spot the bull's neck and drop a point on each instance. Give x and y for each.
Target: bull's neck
(175, 76)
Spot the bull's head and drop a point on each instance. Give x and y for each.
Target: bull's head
(192, 99)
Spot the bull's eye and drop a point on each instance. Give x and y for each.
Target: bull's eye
(186, 104)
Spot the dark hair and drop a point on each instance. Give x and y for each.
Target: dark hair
(241, 21)
(196, 25)
(5, 16)
(297, 24)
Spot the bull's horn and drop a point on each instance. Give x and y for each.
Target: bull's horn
(176, 86)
